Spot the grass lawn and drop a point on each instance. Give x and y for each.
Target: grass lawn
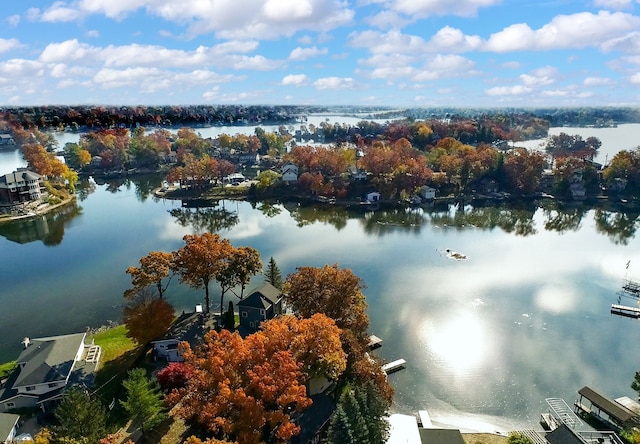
(6, 368)
(119, 354)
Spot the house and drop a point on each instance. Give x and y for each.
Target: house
(265, 302)
(314, 420)
(8, 427)
(428, 193)
(189, 327)
(45, 368)
(576, 186)
(23, 185)
(6, 141)
(373, 197)
(289, 172)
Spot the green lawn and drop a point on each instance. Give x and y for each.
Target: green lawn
(6, 368)
(114, 343)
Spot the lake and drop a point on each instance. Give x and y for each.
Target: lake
(525, 317)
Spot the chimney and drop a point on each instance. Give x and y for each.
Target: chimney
(26, 342)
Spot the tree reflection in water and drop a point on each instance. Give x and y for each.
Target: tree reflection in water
(516, 220)
(205, 219)
(620, 227)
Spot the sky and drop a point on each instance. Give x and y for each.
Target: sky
(397, 53)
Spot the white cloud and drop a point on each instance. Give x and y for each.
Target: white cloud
(8, 45)
(635, 78)
(305, 53)
(508, 90)
(387, 20)
(565, 31)
(93, 33)
(450, 39)
(613, 4)
(13, 20)
(629, 42)
(295, 80)
(334, 83)
(428, 8)
(540, 77)
(597, 81)
(511, 65)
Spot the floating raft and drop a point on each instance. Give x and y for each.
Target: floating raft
(626, 311)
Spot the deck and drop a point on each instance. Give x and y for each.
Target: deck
(394, 366)
(625, 310)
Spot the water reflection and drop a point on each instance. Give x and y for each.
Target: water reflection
(563, 220)
(205, 219)
(620, 227)
(48, 228)
(517, 219)
(384, 222)
(310, 214)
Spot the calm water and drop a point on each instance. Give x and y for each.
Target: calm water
(487, 339)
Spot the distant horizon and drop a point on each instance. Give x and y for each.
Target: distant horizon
(392, 53)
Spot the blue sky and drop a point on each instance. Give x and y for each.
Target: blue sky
(405, 53)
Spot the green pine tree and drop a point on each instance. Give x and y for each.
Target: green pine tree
(81, 418)
(144, 400)
(273, 275)
(339, 428)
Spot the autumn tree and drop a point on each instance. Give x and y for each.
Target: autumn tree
(200, 260)
(564, 145)
(80, 417)
(245, 263)
(147, 317)
(154, 270)
(243, 390)
(523, 169)
(272, 275)
(144, 401)
(332, 291)
(174, 375)
(624, 168)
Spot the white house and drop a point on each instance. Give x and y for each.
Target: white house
(373, 197)
(45, 368)
(289, 172)
(428, 193)
(22, 185)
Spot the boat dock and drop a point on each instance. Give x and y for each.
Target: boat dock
(626, 311)
(374, 342)
(394, 366)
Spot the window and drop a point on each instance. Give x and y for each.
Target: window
(53, 384)
(251, 324)
(262, 312)
(31, 388)
(244, 314)
(10, 405)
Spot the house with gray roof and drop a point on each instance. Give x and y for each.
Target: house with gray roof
(8, 427)
(7, 142)
(264, 302)
(45, 368)
(23, 185)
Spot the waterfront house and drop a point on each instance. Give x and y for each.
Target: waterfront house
(45, 368)
(23, 185)
(427, 193)
(264, 302)
(7, 142)
(189, 327)
(289, 172)
(373, 197)
(8, 427)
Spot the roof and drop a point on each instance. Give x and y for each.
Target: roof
(563, 435)
(264, 296)
(313, 418)
(611, 408)
(7, 422)
(48, 359)
(21, 175)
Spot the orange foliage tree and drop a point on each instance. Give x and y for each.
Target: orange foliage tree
(242, 390)
(201, 259)
(153, 270)
(147, 317)
(332, 291)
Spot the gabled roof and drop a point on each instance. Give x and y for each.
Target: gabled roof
(48, 359)
(7, 422)
(22, 175)
(264, 296)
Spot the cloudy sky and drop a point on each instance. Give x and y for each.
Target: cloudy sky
(326, 52)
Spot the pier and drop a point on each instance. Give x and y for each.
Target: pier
(625, 310)
(394, 366)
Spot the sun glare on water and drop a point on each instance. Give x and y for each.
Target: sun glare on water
(459, 342)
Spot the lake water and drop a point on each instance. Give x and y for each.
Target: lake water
(487, 339)
(525, 317)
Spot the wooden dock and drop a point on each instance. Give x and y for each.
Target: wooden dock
(394, 366)
(626, 311)
(374, 342)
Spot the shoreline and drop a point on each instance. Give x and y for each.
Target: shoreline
(39, 211)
